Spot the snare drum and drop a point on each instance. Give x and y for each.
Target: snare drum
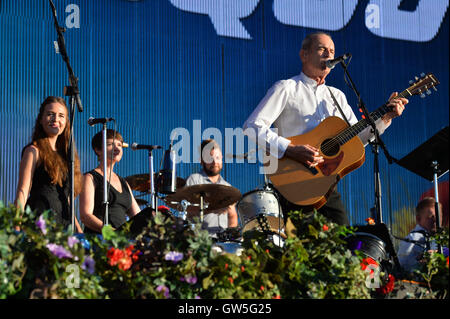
(260, 210)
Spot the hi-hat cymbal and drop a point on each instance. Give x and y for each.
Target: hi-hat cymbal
(216, 196)
(141, 182)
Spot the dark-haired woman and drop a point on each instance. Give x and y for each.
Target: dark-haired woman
(44, 167)
(121, 201)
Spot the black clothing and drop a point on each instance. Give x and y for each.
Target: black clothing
(119, 203)
(47, 196)
(333, 209)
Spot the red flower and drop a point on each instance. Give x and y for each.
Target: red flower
(119, 257)
(370, 221)
(388, 287)
(226, 266)
(277, 297)
(129, 250)
(368, 261)
(261, 288)
(163, 209)
(114, 255)
(325, 227)
(231, 280)
(447, 261)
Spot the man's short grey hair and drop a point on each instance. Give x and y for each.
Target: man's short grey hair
(309, 39)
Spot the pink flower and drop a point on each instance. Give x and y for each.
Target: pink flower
(42, 225)
(59, 251)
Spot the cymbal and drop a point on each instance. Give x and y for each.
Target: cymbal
(141, 182)
(217, 196)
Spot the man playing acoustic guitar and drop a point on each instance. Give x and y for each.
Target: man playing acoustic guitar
(298, 105)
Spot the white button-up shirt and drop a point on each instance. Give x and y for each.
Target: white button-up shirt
(296, 106)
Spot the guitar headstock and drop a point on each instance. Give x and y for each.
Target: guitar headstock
(422, 85)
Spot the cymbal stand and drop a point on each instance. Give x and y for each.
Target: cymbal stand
(268, 187)
(184, 205)
(201, 208)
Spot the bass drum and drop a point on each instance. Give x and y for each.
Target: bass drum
(260, 210)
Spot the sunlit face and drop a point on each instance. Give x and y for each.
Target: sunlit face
(313, 59)
(427, 218)
(54, 119)
(212, 165)
(112, 149)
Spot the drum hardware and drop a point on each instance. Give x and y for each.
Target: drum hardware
(260, 210)
(204, 198)
(375, 241)
(141, 182)
(231, 234)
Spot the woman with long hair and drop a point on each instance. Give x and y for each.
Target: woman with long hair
(121, 201)
(44, 166)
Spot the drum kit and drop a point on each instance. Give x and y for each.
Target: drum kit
(258, 210)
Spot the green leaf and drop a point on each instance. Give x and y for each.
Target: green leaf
(313, 232)
(108, 233)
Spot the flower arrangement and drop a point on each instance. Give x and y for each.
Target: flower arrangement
(173, 259)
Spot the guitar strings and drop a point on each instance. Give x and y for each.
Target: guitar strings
(358, 127)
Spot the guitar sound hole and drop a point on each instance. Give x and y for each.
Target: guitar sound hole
(329, 147)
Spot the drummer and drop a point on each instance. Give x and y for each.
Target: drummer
(211, 161)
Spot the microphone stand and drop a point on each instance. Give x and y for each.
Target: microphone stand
(105, 203)
(374, 144)
(152, 181)
(437, 209)
(74, 94)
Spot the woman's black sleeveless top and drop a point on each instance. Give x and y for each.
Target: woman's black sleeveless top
(47, 196)
(119, 203)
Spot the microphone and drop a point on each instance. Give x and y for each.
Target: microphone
(332, 63)
(135, 146)
(92, 121)
(168, 173)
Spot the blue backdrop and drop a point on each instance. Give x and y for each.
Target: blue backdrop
(157, 65)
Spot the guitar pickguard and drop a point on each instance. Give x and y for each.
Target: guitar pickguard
(329, 165)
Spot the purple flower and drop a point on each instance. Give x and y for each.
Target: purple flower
(72, 240)
(445, 251)
(59, 251)
(191, 279)
(88, 264)
(173, 256)
(197, 297)
(163, 289)
(41, 224)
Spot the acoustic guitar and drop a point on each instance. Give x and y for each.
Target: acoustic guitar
(342, 151)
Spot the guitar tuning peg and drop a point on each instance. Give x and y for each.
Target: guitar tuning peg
(422, 74)
(428, 92)
(434, 88)
(411, 81)
(422, 95)
(416, 77)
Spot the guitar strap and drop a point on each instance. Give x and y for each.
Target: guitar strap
(338, 106)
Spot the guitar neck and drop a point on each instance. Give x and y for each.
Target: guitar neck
(357, 128)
